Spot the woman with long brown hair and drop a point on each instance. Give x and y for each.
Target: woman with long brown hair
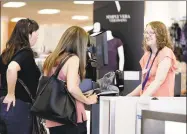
(158, 63)
(73, 41)
(17, 62)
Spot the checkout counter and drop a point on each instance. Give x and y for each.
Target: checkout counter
(123, 115)
(127, 115)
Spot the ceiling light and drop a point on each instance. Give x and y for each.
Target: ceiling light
(83, 2)
(88, 28)
(49, 11)
(79, 17)
(14, 4)
(16, 19)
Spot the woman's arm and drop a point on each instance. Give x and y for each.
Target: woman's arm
(72, 82)
(161, 74)
(136, 91)
(12, 71)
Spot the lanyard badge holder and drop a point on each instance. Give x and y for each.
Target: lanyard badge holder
(148, 73)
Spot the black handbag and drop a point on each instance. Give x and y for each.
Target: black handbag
(53, 101)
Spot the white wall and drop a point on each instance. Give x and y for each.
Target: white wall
(4, 31)
(164, 11)
(49, 35)
(154, 10)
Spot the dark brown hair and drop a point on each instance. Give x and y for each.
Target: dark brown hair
(162, 36)
(19, 38)
(73, 41)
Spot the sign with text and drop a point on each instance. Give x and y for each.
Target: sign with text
(126, 21)
(118, 18)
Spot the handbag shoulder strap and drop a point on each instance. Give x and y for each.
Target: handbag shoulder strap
(22, 49)
(26, 89)
(62, 64)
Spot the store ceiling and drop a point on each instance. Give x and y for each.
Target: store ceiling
(68, 9)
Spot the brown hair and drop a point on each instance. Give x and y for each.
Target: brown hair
(162, 36)
(19, 38)
(73, 41)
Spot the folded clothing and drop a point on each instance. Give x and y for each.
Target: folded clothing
(87, 85)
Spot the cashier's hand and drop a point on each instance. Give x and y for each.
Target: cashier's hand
(129, 95)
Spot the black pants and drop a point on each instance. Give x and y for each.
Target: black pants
(18, 119)
(69, 129)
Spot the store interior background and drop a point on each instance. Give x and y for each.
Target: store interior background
(53, 25)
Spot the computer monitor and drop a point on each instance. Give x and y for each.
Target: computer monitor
(162, 123)
(99, 52)
(100, 49)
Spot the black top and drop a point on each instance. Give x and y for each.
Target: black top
(29, 74)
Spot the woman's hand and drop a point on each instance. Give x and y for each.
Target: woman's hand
(92, 99)
(135, 92)
(129, 95)
(9, 99)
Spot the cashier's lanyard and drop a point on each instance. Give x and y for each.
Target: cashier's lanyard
(147, 75)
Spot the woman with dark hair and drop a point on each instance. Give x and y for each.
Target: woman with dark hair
(73, 41)
(17, 62)
(158, 63)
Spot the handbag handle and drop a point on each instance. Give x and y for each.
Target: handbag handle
(62, 64)
(56, 74)
(58, 70)
(16, 53)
